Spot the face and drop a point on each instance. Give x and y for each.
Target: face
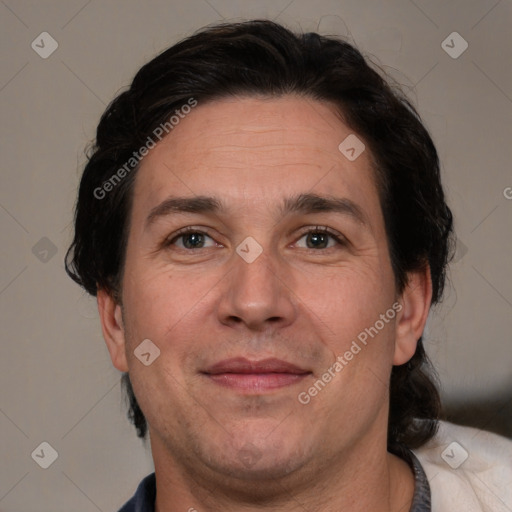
(256, 258)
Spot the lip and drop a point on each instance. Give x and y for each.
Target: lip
(242, 374)
(245, 366)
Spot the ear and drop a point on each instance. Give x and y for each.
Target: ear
(411, 319)
(113, 329)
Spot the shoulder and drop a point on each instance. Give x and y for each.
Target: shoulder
(144, 498)
(468, 469)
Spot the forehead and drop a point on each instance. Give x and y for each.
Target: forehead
(250, 150)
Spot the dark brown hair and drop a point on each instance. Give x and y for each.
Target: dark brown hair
(263, 58)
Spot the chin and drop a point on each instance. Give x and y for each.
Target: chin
(259, 457)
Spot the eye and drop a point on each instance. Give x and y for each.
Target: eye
(316, 238)
(322, 238)
(190, 238)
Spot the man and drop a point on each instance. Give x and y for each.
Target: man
(263, 224)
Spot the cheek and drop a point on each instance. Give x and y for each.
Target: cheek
(174, 310)
(160, 300)
(347, 299)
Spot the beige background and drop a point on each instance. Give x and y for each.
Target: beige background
(57, 384)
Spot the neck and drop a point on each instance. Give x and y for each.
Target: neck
(365, 477)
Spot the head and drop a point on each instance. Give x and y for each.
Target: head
(245, 121)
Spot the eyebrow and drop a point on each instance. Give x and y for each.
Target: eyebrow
(302, 203)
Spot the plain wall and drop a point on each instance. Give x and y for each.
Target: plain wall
(56, 380)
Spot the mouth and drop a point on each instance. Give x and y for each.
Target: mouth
(255, 376)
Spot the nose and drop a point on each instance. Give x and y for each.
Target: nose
(257, 295)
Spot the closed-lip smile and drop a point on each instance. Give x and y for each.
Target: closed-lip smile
(247, 375)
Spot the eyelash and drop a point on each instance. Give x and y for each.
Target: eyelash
(338, 237)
